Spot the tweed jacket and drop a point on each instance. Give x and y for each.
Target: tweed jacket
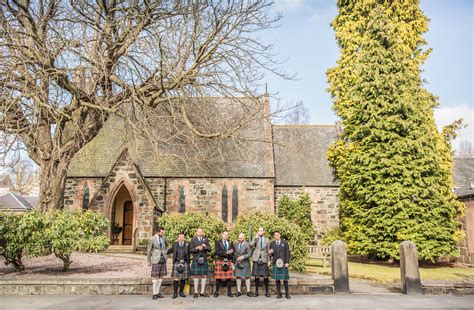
(245, 251)
(154, 251)
(260, 249)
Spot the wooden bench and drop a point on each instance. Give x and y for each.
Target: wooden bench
(320, 251)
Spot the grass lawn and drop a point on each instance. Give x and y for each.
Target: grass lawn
(382, 273)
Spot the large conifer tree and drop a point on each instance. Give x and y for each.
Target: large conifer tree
(394, 167)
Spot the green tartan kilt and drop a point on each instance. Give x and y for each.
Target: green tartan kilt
(280, 273)
(199, 270)
(245, 272)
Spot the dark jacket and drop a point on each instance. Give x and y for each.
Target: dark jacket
(176, 251)
(282, 251)
(198, 253)
(221, 252)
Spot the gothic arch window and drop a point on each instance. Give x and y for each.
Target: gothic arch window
(85, 197)
(235, 203)
(225, 204)
(182, 199)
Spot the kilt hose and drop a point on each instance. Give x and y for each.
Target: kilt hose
(219, 273)
(199, 270)
(280, 273)
(260, 271)
(183, 275)
(158, 270)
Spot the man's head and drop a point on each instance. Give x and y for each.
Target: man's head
(160, 231)
(181, 237)
(225, 235)
(199, 232)
(241, 237)
(277, 235)
(261, 231)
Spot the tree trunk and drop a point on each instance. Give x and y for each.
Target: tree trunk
(52, 184)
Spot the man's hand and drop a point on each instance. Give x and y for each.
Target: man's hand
(286, 265)
(270, 251)
(204, 246)
(240, 258)
(199, 247)
(230, 251)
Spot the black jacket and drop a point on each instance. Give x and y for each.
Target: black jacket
(174, 249)
(197, 253)
(221, 252)
(283, 251)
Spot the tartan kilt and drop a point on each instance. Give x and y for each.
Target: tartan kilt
(199, 270)
(260, 271)
(280, 273)
(221, 274)
(182, 276)
(244, 272)
(158, 270)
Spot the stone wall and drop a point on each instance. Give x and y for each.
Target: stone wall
(467, 245)
(74, 191)
(324, 213)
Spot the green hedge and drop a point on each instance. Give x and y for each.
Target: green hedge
(297, 211)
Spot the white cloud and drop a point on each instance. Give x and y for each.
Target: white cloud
(446, 115)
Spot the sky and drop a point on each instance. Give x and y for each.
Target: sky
(307, 42)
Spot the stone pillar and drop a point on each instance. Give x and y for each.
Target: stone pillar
(410, 274)
(339, 268)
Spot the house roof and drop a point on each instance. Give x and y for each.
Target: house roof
(5, 181)
(300, 155)
(251, 156)
(464, 177)
(15, 202)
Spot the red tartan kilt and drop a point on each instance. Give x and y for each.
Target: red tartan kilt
(221, 274)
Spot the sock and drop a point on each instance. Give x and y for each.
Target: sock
(265, 282)
(175, 286)
(203, 285)
(257, 284)
(247, 285)
(158, 285)
(286, 286)
(239, 284)
(196, 284)
(229, 286)
(218, 284)
(181, 285)
(154, 286)
(278, 285)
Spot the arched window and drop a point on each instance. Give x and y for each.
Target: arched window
(85, 197)
(235, 203)
(182, 198)
(225, 204)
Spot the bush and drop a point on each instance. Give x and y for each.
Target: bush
(76, 231)
(297, 211)
(22, 234)
(297, 240)
(330, 235)
(189, 222)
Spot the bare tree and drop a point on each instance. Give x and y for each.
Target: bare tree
(465, 150)
(24, 176)
(297, 115)
(67, 66)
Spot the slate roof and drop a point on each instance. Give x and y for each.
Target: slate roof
(252, 157)
(15, 202)
(463, 177)
(300, 154)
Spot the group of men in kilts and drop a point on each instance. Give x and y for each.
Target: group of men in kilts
(233, 259)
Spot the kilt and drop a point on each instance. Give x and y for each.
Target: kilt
(199, 270)
(158, 270)
(221, 274)
(260, 271)
(181, 276)
(280, 273)
(244, 272)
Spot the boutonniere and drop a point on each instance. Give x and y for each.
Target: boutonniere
(282, 245)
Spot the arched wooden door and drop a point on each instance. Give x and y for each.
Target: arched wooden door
(127, 235)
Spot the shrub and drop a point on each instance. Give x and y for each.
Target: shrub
(297, 211)
(297, 240)
(22, 234)
(330, 235)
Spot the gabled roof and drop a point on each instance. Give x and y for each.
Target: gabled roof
(463, 177)
(300, 155)
(15, 202)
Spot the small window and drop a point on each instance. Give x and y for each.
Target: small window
(235, 203)
(225, 204)
(85, 198)
(182, 199)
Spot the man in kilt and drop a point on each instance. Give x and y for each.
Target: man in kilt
(181, 258)
(223, 272)
(156, 256)
(242, 264)
(260, 260)
(200, 248)
(280, 252)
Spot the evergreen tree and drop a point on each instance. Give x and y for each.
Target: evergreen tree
(394, 167)
(297, 211)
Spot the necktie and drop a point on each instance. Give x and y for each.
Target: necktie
(240, 246)
(225, 245)
(180, 244)
(161, 243)
(200, 240)
(278, 243)
(261, 242)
